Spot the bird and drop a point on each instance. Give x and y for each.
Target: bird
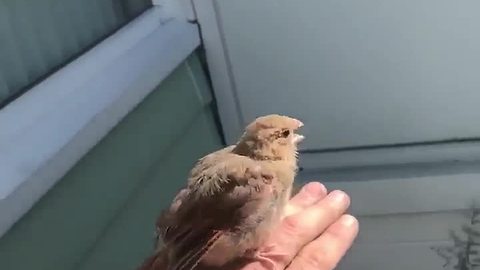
(232, 200)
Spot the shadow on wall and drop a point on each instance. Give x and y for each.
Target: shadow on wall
(463, 254)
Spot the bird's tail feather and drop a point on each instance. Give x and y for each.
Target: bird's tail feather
(192, 257)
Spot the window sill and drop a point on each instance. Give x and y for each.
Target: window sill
(45, 132)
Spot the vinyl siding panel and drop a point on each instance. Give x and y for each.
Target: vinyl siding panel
(39, 36)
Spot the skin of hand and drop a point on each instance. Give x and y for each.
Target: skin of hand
(315, 235)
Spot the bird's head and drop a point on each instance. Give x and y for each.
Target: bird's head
(271, 137)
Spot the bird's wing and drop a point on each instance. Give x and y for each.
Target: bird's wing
(222, 195)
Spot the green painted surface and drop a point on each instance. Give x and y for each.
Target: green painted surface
(101, 214)
(130, 239)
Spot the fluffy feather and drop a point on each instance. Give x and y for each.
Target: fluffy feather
(232, 199)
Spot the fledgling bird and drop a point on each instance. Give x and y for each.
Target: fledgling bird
(234, 197)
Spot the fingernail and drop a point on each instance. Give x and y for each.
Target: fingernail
(348, 220)
(337, 196)
(315, 189)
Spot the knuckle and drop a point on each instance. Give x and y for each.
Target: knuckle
(291, 225)
(294, 229)
(317, 260)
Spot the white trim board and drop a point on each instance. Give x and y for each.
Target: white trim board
(47, 130)
(220, 69)
(445, 152)
(439, 193)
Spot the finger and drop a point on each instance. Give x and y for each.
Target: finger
(297, 230)
(308, 195)
(327, 250)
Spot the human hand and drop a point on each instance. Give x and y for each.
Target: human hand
(316, 233)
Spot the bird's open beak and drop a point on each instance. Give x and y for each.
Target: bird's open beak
(297, 138)
(299, 123)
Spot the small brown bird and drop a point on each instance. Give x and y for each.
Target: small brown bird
(233, 199)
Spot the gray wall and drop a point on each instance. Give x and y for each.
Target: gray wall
(359, 73)
(388, 92)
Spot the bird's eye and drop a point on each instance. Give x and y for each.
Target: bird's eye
(286, 133)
